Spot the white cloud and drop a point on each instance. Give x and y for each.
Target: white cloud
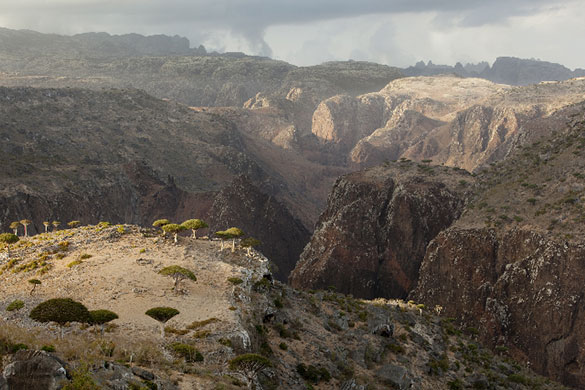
(396, 32)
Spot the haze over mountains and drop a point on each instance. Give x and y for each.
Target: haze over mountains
(451, 187)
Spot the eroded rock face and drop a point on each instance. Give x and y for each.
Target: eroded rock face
(261, 216)
(34, 370)
(372, 237)
(518, 288)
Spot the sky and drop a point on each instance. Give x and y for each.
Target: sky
(307, 32)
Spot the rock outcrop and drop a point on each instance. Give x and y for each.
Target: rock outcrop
(372, 237)
(519, 289)
(33, 370)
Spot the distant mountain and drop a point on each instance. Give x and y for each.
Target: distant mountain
(505, 70)
(166, 67)
(28, 43)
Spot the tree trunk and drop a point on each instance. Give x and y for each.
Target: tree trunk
(15, 232)
(162, 330)
(176, 239)
(25, 231)
(176, 285)
(194, 233)
(221, 249)
(46, 228)
(233, 245)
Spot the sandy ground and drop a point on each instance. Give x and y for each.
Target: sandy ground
(122, 275)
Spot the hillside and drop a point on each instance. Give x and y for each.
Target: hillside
(122, 155)
(166, 67)
(506, 261)
(322, 340)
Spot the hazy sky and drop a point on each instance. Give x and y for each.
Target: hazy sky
(394, 32)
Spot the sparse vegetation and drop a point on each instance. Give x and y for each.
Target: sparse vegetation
(15, 305)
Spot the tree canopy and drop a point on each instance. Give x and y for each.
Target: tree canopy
(102, 316)
(178, 273)
(61, 311)
(160, 222)
(162, 314)
(249, 365)
(173, 228)
(194, 225)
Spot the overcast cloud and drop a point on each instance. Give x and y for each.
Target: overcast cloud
(396, 32)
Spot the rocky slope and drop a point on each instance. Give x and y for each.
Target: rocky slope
(319, 340)
(372, 237)
(105, 156)
(513, 261)
(167, 67)
(509, 268)
(454, 121)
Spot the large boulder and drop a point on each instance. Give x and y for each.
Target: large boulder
(33, 370)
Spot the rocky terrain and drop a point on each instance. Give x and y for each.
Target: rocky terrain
(514, 260)
(166, 67)
(466, 123)
(93, 156)
(377, 226)
(508, 267)
(320, 340)
(505, 70)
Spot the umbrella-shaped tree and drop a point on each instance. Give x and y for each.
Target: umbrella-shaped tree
(194, 225)
(46, 224)
(101, 317)
(178, 273)
(234, 233)
(61, 311)
(249, 243)
(174, 229)
(25, 223)
(35, 283)
(55, 224)
(162, 315)
(160, 223)
(249, 366)
(14, 226)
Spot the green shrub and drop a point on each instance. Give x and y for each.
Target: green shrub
(186, 351)
(85, 256)
(313, 374)
(283, 346)
(18, 347)
(200, 324)
(517, 378)
(81, 379)
(48, 348)
(17, 304)
(235, 281)
(8, 238)
(74, 263)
